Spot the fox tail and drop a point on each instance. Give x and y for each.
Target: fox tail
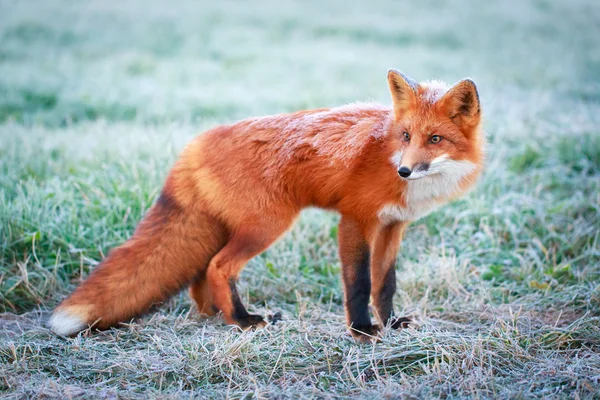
(168, 250)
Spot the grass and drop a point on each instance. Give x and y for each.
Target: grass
(97, 101)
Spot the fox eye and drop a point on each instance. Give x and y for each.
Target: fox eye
(435, 139)
(406, 136)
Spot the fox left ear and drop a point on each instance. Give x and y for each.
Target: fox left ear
(403, 91)
(461, 103)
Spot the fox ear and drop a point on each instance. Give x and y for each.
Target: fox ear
(461, 104)
(403, 90)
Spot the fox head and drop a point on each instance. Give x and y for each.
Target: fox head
(435, 128)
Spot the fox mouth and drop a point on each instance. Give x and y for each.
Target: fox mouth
(419, 171)
(419, 175)
(443, 172)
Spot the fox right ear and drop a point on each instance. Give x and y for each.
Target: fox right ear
(461, 103)
(403, 91)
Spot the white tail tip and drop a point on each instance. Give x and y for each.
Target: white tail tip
(65, 323)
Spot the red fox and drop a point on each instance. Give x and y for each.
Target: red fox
(237, 188)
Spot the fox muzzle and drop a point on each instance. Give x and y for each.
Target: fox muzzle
(419, 170)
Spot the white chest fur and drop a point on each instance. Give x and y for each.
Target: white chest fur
(391, 213)
(426, 193)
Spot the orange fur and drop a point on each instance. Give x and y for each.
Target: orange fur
(237, 188)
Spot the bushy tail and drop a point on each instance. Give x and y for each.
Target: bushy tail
(169, 248)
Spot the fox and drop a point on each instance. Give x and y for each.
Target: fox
(236, 189)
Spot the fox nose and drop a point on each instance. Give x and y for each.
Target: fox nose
(404, 172)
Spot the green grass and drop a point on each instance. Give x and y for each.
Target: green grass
(97, 101)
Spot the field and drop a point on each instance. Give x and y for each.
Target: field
(98, 98)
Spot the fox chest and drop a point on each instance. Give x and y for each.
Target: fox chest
(421, 198)
(391, 213)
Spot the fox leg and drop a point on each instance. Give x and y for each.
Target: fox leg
(383, 273)
(225, 267)
(200, 292)
(355, 256)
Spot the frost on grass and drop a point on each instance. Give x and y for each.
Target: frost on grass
(98, 100)
(487, 353)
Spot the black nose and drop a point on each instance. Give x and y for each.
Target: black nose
(404, 172)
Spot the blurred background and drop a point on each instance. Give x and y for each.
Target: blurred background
(65, 62)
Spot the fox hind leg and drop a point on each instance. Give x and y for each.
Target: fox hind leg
(225, 267)
(201, 294)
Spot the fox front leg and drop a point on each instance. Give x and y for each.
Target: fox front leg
(383, 273)
(355, 256)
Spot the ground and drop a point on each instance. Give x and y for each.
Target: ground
(97, 99)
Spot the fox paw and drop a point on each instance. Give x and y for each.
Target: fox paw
(251, 321)
(400, 322)
(275, 318)
(366, 333)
